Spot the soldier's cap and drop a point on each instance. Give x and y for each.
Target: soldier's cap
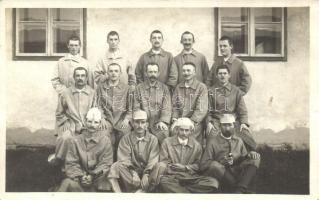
(139, 114)
(94, 113)
(227, 119)
(183, 121)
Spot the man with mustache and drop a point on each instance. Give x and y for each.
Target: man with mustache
(178, 169)
(226, 159)
(115, 99)
(74, 103)
(154, 98)
(190, 100)
(114, 55)
(167, 68)
(137, 154)
(63, 72)
(189, 54)
(89, 158)
(224, 97)
(240, 75)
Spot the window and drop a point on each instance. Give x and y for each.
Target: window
(257, 33)
(44, 32)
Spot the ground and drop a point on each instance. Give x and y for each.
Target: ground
(284, 168)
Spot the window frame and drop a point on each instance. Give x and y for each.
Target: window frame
(252, 56)
(49, 55)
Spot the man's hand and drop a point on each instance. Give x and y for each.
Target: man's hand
(104, 124)
(178, 167)
(125, 123)
(86, 180)
(65, 126)
(254, 155)
(210, 127)
(244, 126)
(135, 179)
(161, 126)
(144, 182)
(227, 160)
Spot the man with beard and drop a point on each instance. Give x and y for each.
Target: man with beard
(190, 100)
(189, 54)
(168, 72)
(89, 158)
(114, 99)
(74, 103)
(62, 77)
(240, 75)
(154, 98)
(225, 97)
(226, 159)
(178, 169)
(114, 55)
(137, 154)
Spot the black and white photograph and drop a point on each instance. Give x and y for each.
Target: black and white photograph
(159, 97)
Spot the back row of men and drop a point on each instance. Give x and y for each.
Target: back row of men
(157, 75)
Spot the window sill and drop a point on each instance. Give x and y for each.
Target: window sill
(263, 58)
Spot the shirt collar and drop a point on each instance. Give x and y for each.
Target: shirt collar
(193, 85)
(106, 85)
(85, 90)
(148, 84)
(190, 142)
(193, 53)
(161, 53)
(94, 138)
(114, 55)
(227, 86)
(146, 137)
(231, 59)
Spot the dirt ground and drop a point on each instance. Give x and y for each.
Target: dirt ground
(284, 171)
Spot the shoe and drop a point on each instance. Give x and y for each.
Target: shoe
(140, 191)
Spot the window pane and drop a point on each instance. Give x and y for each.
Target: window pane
(61, 34)
(32, 38)
(66, 14)
(239, 35)
(268, 39)
(234, 14)
(268, 15)
(33, 14)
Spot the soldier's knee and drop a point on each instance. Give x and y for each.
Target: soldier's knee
(216, 169)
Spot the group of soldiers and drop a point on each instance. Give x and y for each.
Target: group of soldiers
(169, 125)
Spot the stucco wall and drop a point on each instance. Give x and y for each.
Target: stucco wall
(278, 98)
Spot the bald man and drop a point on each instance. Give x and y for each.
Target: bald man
(89, 158)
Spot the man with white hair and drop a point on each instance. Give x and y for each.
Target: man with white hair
(226, 159)
(89, 158)
(137, 154)
(178, 169)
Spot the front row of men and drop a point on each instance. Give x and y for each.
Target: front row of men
(176, 166)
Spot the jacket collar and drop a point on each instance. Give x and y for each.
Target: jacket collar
(85, 90)
(190, 142)
(193, 85)
(151, 53)
(146, 138)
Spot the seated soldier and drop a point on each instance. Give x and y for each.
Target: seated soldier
(227, 159)
(223, 98)
(137, 154)
(89, 158)
(178, 169)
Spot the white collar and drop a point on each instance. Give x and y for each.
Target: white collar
(182, 142)
(226, 138)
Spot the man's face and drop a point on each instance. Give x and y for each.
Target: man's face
(113, 41)
(187, 41)
(184, 131)
(188, 72)
(74, 47)
(152, 72)
(225, 48)
(80, 77)
(227, 129)
(140, 126)
(223, 76)
(114, 72)
(92, 124)
(156, 40)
